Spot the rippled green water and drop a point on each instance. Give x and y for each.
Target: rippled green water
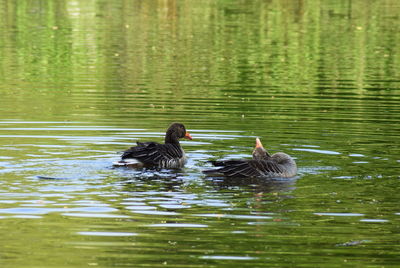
(83, 80)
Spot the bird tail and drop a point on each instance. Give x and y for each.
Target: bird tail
(217, 163)
(213, 173)
(209, 171)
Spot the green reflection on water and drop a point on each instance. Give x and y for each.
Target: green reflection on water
(70, 55)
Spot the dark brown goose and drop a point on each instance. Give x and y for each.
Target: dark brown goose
(153, 154)
(262, 165)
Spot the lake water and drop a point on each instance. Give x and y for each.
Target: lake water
(83, 80)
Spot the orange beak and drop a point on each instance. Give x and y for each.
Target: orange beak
(258, 143)
(187, 136)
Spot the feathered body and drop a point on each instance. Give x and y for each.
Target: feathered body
(155, 154)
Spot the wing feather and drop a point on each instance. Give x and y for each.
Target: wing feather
(245, 168)
(235, 168)
(152, 153)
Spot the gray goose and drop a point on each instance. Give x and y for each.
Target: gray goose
(153, 154)
(262, 165)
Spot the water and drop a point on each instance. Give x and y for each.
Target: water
(83, 80)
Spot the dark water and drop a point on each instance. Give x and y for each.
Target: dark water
(83, 80)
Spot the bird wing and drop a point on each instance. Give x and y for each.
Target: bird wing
(269, 167)
(235, 168)
(244, 168)
(151, 153)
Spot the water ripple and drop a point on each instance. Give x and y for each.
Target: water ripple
(107, 234)
(179, 225)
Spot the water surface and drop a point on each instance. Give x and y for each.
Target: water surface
(83, 80)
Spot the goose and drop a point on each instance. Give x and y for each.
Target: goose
(262, 165)
(153, 154)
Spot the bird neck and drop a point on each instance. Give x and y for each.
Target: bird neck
(171, 138)
(261, 154)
